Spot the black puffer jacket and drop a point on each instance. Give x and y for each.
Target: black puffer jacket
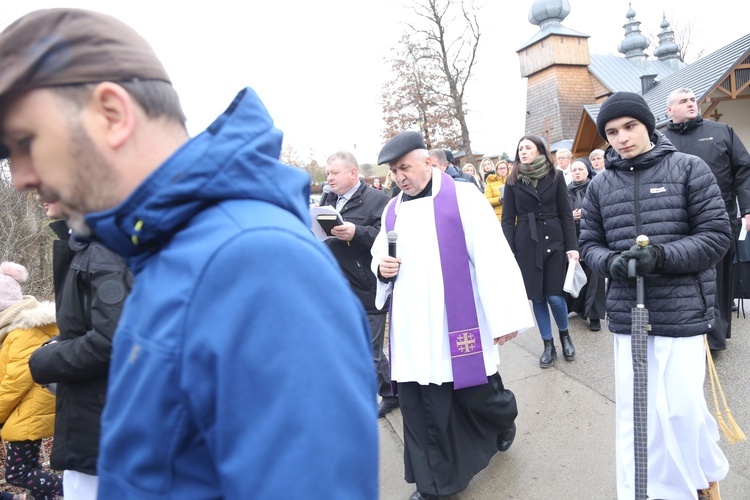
(364, 209)
(717, 145)
(673, 199)
(91, 285)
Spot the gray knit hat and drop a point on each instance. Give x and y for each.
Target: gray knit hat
(622, 104)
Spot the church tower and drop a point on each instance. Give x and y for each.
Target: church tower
(555, 62)
(668, 51)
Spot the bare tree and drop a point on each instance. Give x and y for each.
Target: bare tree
(290, 156)
(25, 237)
(684, 31)
(454, 55)
(415, 97)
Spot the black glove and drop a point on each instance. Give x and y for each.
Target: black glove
(618, 268)
(648, 258)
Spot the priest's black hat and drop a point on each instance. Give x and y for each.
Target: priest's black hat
(400, 145)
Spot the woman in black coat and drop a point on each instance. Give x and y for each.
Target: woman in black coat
(590, 302)
(538, 224)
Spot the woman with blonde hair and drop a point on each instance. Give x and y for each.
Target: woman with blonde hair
(486, 167)
(389, 185)
(496, 185)
(469, 169)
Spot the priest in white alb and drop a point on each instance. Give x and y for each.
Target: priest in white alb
(457, 294)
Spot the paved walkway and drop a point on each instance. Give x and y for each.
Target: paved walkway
(564, 448)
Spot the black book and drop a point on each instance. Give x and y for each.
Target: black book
(328, 222)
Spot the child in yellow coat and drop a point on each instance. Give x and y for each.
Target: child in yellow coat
(27, 410)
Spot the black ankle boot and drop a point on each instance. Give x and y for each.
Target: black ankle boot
(568, 349)
(549, 355)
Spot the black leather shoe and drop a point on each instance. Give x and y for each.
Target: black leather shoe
(595, 325)
(504, 442)
(568, 349)
(422, 496)
(549, 355)
(387, 405)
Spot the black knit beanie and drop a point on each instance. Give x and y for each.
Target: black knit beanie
(622, 104)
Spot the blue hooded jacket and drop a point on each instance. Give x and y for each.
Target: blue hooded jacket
(242, 365)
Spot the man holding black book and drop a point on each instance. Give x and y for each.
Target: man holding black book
(360, 207)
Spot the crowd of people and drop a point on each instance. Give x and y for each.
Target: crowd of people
(239, 357)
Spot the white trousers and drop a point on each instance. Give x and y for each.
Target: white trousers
(683, 454)
(79, 486)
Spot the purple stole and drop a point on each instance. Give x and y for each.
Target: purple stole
(463, 327)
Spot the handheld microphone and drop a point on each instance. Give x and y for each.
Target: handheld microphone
(392, 237)
(325, 195)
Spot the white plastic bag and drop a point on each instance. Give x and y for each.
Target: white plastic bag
(575, 279)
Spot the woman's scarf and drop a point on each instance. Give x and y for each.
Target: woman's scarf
(532, 172)
(577, 191)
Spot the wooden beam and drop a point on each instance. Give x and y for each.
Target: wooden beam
(720, 88)
(726, 99)
(728, 75)
(711, 108)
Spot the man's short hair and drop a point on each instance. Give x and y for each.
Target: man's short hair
(439, 154)
(158, 99)
(673, 94)
(596, 152)
(346, 157)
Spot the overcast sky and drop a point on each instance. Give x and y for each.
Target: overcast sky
(319, 65)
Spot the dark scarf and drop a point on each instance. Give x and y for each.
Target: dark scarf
(577, 191)
(532, 172)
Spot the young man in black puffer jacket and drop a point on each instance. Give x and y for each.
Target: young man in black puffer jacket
(650, 188)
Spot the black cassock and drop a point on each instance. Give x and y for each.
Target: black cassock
(451, 435)
(741, 270)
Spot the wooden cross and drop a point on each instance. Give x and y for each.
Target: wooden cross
(716, 115)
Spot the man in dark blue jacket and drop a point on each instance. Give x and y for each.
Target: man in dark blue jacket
(361, 207)
(649, 188)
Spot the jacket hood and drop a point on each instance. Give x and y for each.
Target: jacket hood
(236, 157)
(688, 125)
(26, 314)
(495, 178)
(662, 147)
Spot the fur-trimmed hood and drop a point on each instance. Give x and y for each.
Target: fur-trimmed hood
(496, 178)
(26, 314)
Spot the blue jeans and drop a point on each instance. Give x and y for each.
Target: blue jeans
(559, 311)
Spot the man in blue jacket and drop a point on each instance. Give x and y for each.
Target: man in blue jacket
(241, 366)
